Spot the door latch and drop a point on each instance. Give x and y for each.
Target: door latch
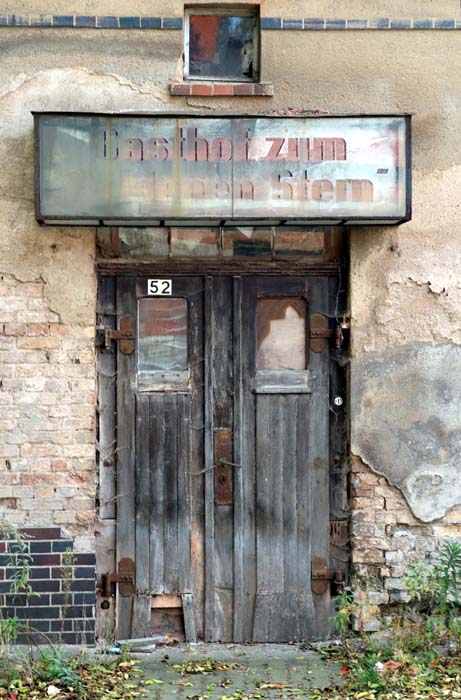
(125, 578)
(125, 335)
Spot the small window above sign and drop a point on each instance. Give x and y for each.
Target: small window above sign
(222, 43)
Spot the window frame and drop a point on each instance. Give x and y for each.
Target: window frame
(213, 10)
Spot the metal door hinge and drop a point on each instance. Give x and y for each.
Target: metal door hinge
(125, 335)
(125, 579)
(320, 335)
(321, 575)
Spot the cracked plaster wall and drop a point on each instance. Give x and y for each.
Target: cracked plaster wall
(405, 282)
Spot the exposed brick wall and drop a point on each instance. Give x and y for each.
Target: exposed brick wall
(62, 607)
(386, 538)
(47, 415)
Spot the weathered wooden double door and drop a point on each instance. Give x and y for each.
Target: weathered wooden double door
(222, 452)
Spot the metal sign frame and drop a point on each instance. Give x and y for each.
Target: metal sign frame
(224, 221)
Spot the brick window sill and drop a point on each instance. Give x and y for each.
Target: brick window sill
(215, 89)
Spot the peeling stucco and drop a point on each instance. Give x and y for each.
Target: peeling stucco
(406, 422)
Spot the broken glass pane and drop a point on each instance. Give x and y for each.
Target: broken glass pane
(139, 242)
(222, 46)
(194, 242)
(281, 334)
(247, 241)
(162, 335)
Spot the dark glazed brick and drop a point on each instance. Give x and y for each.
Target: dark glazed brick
(45, 586)
(16, 601)
(46, 559)
(271, 23)
(63, 21)
(4, 560)
(62, 545)
(172, 23)
(85, 559)
(31, 613)
(107, 22)
(40, 547)
(84, 572)
(444, 24)
(85, 21)
(41, 533)
(87, 625)
(80, 611)
(400, 24)
(85, 598)
(292, 24)
(378, 23)
(39, 625)
(85, 585)
(61, 625)
(2, 547)
(357, 23)
(18, 21)
(3, 20)
(41, 21)
(39, 572)
(314, 23)
(151, 22)
(423, 23)
(130, 22)
(62, 599)
(335, 24)
(458, 23)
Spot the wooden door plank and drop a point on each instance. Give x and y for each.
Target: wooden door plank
(142, 502)
(209, 461)
(319, 457)
(248, 450)
(141, 616)
(126, 514)
(222, 373)
(170, 496)
(264, 582)
(157, 432)
(290, 493)
(239, 602)
(190, 626)
(184, 490)
(196, 362)
(277, 465)
(306, 622)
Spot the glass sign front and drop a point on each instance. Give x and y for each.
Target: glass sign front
(121, 169)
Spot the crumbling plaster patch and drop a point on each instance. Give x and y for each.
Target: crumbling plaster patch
(406, 422)
(61, 257)
(405, 282)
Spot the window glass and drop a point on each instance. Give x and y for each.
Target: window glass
(222, 45)
(143, 241)
(247, 241)
(293, 243)
(162, 335)
(281, 334)
(194, 242)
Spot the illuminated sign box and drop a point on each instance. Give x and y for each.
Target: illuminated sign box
(173, 170)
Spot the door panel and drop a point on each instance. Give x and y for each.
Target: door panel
(223, 464)
(160, 426)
